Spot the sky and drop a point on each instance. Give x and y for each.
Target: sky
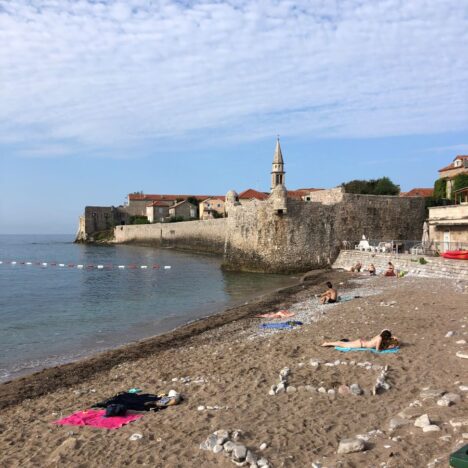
(102, 98)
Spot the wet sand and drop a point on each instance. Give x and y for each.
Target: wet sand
(229, 365)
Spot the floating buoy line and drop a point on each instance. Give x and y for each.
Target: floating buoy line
(82, 266)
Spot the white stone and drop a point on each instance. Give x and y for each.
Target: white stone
(218, 448)
(351, 446)
(322, 390)
(263, 446)
(422, 421)
(461, 354)
(200, 408)
(431, 428)
(449, 399)
(449, 334)
(459, 422)
(135, 436)
(291, 389)
(461, 342)
(463, 388)
(397, 422)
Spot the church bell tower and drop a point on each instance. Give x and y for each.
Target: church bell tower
(277, 171)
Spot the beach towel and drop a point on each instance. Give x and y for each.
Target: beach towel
(372, 350)
(95, 418)
(279, 314)
(281, 325)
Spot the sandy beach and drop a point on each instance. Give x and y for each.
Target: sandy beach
(224, 367)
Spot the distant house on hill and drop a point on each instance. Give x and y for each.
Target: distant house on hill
(138, 202)
(157, 211)
(183, 209)
(418, 192)
(458, 166)
(302, 194)
(207, 208)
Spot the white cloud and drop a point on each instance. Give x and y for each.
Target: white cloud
(116, 76)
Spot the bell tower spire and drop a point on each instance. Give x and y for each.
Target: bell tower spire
(277, 170)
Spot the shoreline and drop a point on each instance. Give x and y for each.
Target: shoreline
(38, 383)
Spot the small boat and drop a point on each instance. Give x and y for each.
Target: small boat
(456, 254)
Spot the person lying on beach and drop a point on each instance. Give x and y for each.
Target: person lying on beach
(384, 340)
(390, 270)
(356, 267)
(371, 269)
(330, 295)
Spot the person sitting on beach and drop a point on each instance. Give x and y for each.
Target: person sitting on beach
(390, 270)
(371, 269)
(330, 295)
(384, 340)
(356, 267)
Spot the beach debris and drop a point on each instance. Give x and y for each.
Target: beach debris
(381, 383)
(225, 441)
(422, 421)
(283, 382)
(136, 436)
(449, 399)
(351, 445)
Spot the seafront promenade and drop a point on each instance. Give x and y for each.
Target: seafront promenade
(225, 368)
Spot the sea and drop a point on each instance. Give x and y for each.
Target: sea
(61, 301)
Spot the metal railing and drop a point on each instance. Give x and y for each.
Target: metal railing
(398, 246)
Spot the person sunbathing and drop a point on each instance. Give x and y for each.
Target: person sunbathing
(390, 270)
(356, 267)
(371, 269)
(330, 295)
(384, 340)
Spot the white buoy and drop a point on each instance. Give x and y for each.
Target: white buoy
(61, 264)
(121, 267)
(44, 263)
(167, 267)
(28, 263)
(143, 266)
(100, 267)
(79, 266)
(13, 263)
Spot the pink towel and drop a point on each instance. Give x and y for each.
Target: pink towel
(96, 418)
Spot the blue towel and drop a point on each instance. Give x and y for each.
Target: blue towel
(372, 350)
(290, 324)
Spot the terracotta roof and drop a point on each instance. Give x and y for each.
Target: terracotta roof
(161, 203)
(451, 165)
(299, 193)
(215, 198)
(251, 193)
(418, 192)
(180, 203)
(145, 197)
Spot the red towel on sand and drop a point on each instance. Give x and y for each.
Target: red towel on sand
(95, 418)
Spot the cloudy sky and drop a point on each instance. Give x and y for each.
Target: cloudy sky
(102, 98)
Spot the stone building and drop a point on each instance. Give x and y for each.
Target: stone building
(458, 166)
(184, 209)
(158, 211)
(207, 208)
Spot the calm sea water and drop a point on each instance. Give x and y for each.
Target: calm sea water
(51, 314)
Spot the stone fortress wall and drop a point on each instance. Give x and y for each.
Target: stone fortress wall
(201, 236)
(435, 267)
(306, 235)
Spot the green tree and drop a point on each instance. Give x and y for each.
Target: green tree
(460, 181)
(440, 189)
(385, 186)
(382, 186)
